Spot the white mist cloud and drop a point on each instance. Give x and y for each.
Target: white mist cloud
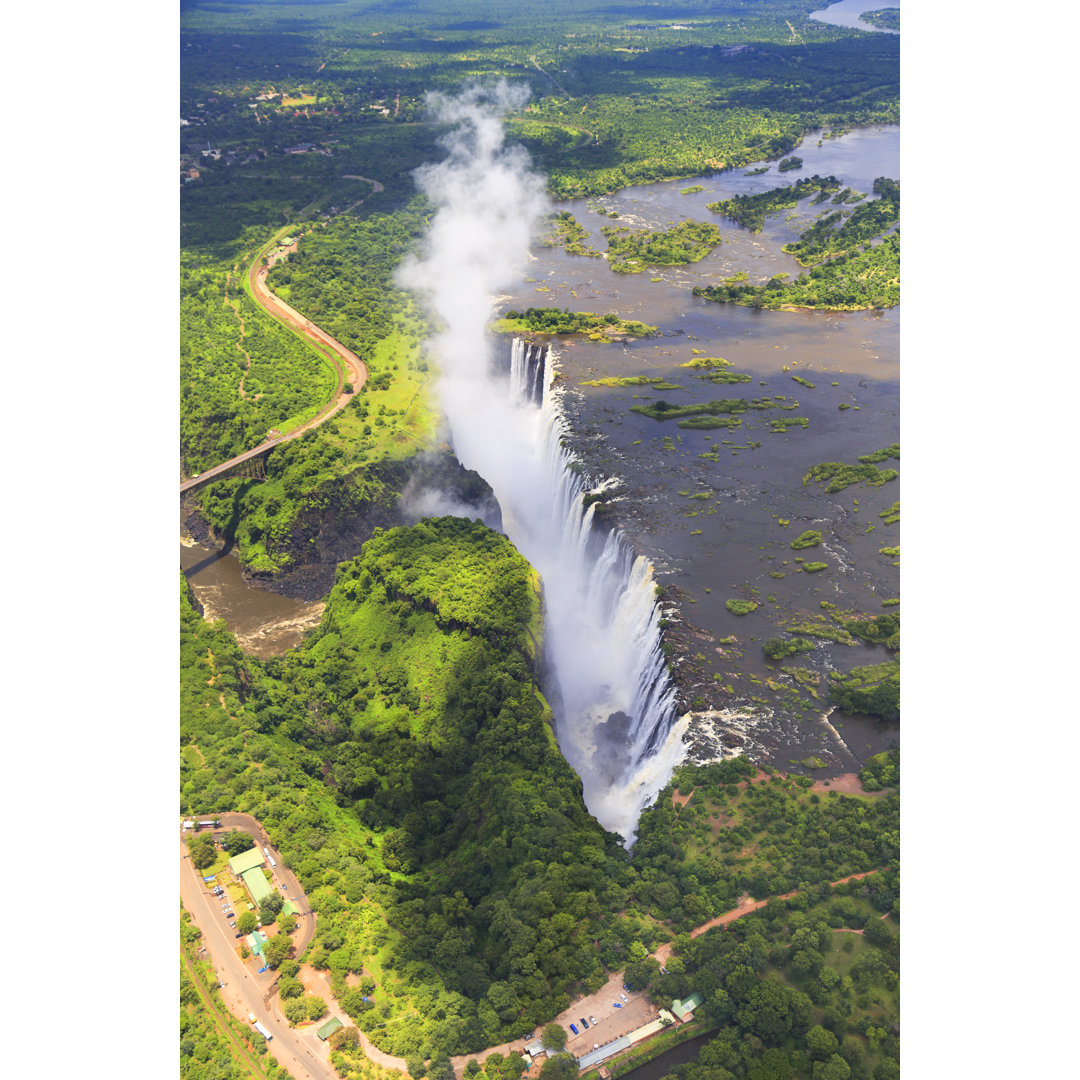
(490, 202)
(602, 637)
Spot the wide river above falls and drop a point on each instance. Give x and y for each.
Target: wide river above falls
(847, 12)
(728, 544)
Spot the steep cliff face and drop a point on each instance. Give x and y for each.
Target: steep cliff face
(348, 511)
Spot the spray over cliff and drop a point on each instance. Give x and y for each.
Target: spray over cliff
(607, 680)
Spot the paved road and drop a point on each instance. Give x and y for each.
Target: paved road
(280, 876)
(355, 369)
(298, 1050)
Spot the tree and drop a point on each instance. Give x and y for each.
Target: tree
(270, 908)
(286, 922)
(559, 1067)
(766, 1012)
(553, 1037)
(295, 1010)
(278, 948)
(202, 851)
(346, 1038)
(236, 842)
(820, 1043)
(889, 1069)
(316, 1007)
(246, 922)
(772, 1064)
(836, 1068)
(441, 1067)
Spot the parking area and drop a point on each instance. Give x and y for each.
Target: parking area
(611, 1022)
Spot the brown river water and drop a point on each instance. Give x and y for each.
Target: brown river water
(725, 545)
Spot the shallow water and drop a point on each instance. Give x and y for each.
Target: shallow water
(727, 543)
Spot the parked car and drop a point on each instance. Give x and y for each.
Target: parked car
(592, 1019)
(237, 935)
(618, 1004)
(624, 997)
(573, 1029)
(233, 924)
(584, 1023)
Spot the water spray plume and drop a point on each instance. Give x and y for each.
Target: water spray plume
(606, 676)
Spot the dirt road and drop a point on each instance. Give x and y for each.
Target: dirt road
(747, 906)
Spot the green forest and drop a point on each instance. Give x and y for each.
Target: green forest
(402, 757)
(403, 762)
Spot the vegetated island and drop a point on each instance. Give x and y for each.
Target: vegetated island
(750, 211)
(849, 271)
(630, 251)
(883, 18)
(837, 476)
(560, 321)
(716, 369)
(722, 413)
(563, 230)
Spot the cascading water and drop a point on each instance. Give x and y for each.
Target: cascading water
(616, 722)
(606, 677)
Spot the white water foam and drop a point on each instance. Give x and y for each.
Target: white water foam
(607, 680)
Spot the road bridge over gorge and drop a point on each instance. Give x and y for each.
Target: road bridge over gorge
(350, 370)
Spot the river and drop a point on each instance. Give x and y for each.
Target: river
(847, 12)
(728, 542)
(264, 623)
(662, 1065)
(733, 541)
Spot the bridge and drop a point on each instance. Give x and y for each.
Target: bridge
(251, 463)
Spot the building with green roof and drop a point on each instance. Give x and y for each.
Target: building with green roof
(329, 1028)
(246, 860)
(684, 1010)
(255, 942)
(257, 885)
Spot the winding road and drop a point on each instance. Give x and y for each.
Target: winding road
(344, 360)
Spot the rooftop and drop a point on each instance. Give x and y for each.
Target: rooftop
(246, 860)
(594, 1057)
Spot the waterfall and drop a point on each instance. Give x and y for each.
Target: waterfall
(606, 677)
(616, 720)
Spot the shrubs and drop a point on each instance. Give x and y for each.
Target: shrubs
(741, 607)
(808, 539)
(777, 648)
